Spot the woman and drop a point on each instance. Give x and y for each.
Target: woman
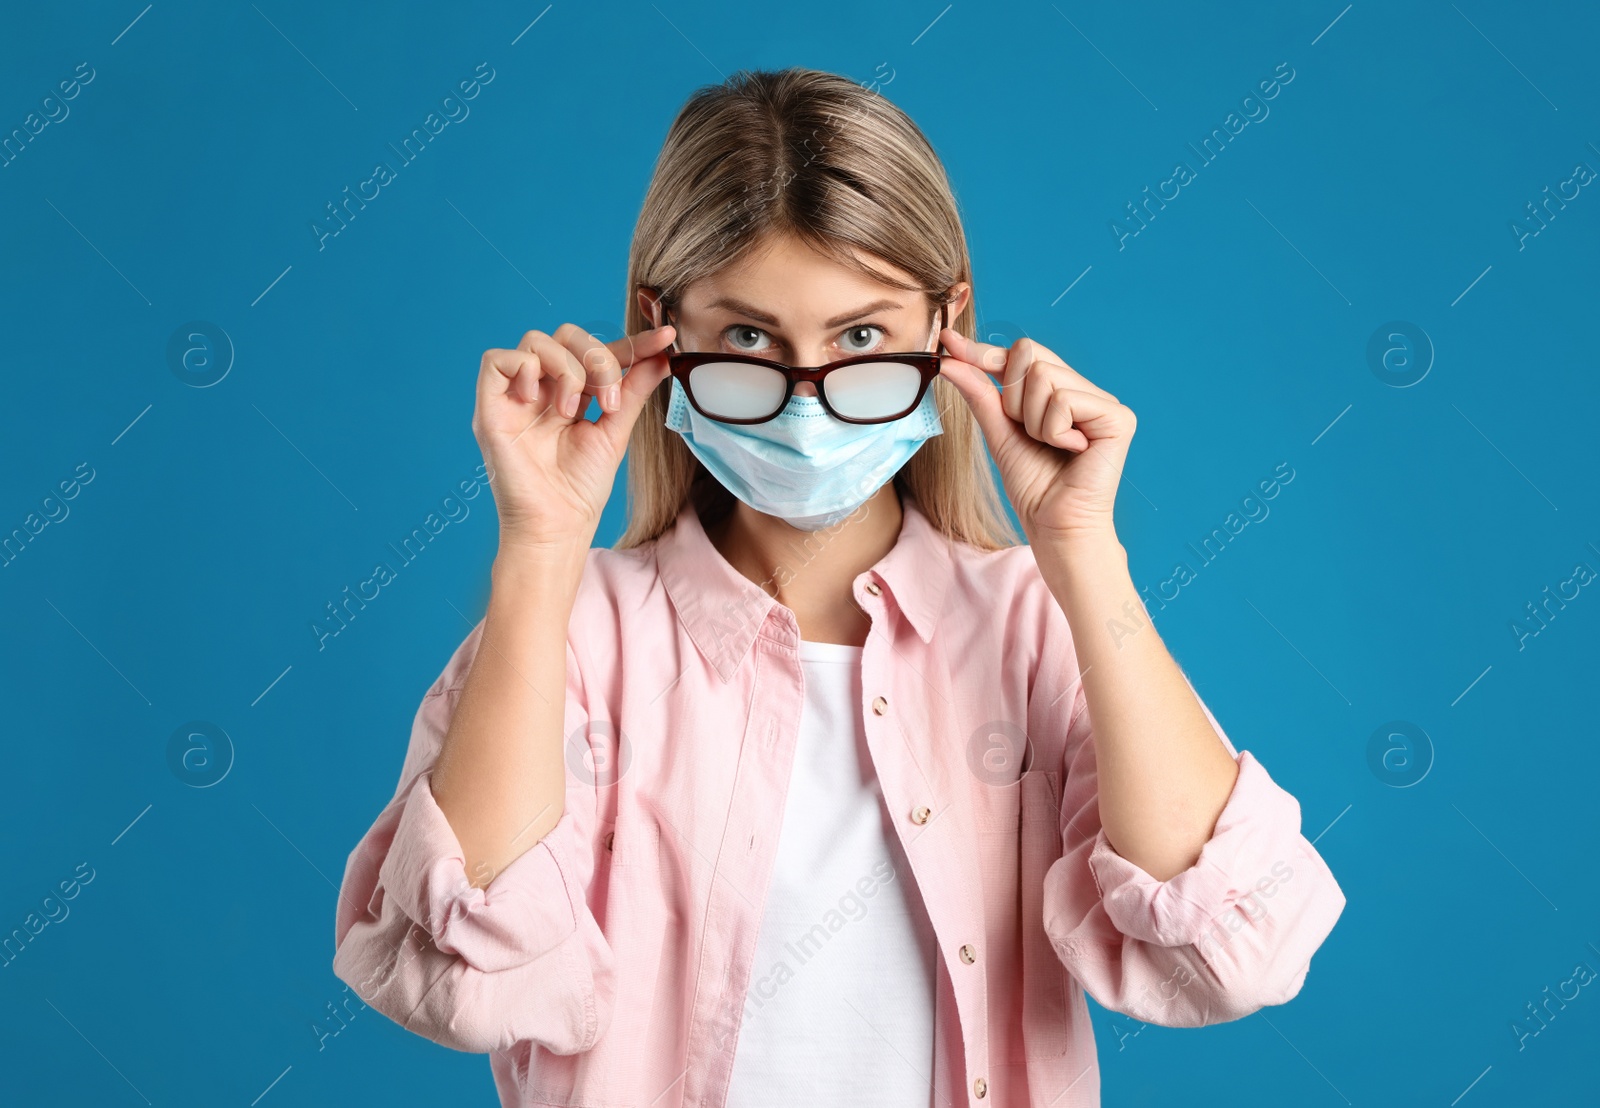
(819, 784)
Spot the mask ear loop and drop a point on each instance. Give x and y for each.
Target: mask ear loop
(666, 319)
(944, 321)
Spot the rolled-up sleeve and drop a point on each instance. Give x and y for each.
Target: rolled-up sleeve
(476, 969)
(1231, 934)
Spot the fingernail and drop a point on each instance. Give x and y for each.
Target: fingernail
(613, 397)
(571, 406)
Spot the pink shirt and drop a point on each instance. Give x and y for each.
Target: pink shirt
(608, 964)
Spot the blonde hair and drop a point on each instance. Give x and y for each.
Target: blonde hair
(816, 156)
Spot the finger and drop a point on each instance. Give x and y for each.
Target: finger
(1029, 384)
(1079, 417)
(599, 366)
(1016, 381)
(633, 349)
(513, 373)
(981, 396)
(646, 344)
(1073, 379)
(642, 379)
(561, 375)
(989, 359)
(1034, 352)
(1055, 423)
(603, 363)
(1037, 390)
(501, 374)
(995, 360)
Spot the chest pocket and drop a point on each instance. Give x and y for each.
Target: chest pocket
(997, 753)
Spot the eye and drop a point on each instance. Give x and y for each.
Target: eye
(860, 340)
(745, 339)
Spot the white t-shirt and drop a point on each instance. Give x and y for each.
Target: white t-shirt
(841, 997)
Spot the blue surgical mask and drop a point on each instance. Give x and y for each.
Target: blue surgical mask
(803, 465)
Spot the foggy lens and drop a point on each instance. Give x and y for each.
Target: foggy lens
(735, 390)
(872, 390)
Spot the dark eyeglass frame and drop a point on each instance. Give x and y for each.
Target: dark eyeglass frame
(682, 363)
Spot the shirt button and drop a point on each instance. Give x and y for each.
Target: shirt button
(609, 836)
(920, 814)
(980, 1087)
(872, 588)
(967, 954)
(879, 705)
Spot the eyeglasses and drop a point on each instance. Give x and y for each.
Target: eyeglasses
(867, 388)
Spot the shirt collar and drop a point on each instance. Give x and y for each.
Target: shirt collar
(723, 610)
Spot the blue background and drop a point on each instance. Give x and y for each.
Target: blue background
(1380, 585)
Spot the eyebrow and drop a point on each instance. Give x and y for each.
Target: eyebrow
(734, 304)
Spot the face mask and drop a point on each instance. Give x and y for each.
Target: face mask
(804, 466)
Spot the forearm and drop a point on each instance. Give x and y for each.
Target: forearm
(500, 777)
(1164, 775)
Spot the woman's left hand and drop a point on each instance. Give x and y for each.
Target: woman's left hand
(1059, 440)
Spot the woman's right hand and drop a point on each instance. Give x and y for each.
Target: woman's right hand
(550, 468)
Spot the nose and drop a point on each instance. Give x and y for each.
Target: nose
(805, 388)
